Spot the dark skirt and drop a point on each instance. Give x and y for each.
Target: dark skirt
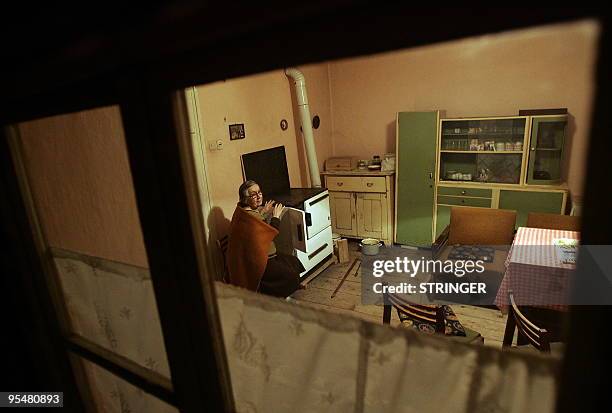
(281, 276)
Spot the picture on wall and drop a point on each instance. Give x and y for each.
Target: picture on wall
(236, 131)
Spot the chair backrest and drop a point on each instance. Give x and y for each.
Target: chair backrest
(553, 221)
(406, 310)
(223, 244)
(536, 336)
(481, 226)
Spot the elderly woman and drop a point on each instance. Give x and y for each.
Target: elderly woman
(253, 261)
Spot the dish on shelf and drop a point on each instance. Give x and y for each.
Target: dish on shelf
(374, 167)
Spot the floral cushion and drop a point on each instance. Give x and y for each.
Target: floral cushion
(452, 325)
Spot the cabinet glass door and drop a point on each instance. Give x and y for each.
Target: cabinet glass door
(546, 149)
(482, 150)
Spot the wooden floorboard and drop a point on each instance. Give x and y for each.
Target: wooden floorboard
(490, 323)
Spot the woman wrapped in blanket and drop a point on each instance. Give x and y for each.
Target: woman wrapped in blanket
(253, 261)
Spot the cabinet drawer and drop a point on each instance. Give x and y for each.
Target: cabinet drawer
(356, 183)
(479, 192)
(344, 183)
(373, 184)
(458, 200)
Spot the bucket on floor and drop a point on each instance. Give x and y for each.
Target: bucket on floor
(370, 246)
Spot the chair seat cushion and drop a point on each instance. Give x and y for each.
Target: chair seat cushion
(469, 337)
(452, 325)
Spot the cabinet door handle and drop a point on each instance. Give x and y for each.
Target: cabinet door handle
(431, 175)
(370, 184)
(463, 201)
(463, 192)
(339, 183)
(533, 149)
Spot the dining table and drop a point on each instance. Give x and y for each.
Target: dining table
(537, 269)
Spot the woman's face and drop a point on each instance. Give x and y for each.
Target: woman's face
(255, 198)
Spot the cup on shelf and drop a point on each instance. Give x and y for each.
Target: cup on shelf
(518, 146)
(500, 146)
(509, 146)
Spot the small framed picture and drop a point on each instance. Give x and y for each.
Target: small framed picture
(236, 131)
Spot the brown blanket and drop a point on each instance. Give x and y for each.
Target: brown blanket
(247, 253)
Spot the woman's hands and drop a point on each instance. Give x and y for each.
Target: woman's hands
(267, 208)
(278, 210)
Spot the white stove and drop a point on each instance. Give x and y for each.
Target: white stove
(305, 229)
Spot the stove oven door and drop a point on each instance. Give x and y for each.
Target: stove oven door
(317, 215)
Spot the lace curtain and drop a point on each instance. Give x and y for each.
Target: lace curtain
(287, 357)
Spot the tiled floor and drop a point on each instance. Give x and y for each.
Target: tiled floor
(488, 322)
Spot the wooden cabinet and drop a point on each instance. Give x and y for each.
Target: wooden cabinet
(361, 204)
(343, 213)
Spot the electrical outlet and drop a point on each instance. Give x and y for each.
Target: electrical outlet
(216, 145)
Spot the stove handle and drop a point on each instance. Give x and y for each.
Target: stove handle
(319, 199)
(308, 218)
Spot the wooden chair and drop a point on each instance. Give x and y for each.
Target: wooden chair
(425, 314)
(481, 226)
(553, 221)
(536, 336)
(476, 226)
(223, 244)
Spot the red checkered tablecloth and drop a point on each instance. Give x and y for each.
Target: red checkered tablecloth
(535, 272)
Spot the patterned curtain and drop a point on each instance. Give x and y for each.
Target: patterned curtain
(288, 357)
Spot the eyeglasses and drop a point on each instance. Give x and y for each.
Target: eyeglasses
(255, 195)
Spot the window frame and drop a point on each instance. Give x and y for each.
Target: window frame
(149, 95)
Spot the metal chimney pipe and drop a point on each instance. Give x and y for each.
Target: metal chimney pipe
(302, 100)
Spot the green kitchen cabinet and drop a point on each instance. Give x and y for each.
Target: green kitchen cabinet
(507, 162)
(524, 202)
(417, 133)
